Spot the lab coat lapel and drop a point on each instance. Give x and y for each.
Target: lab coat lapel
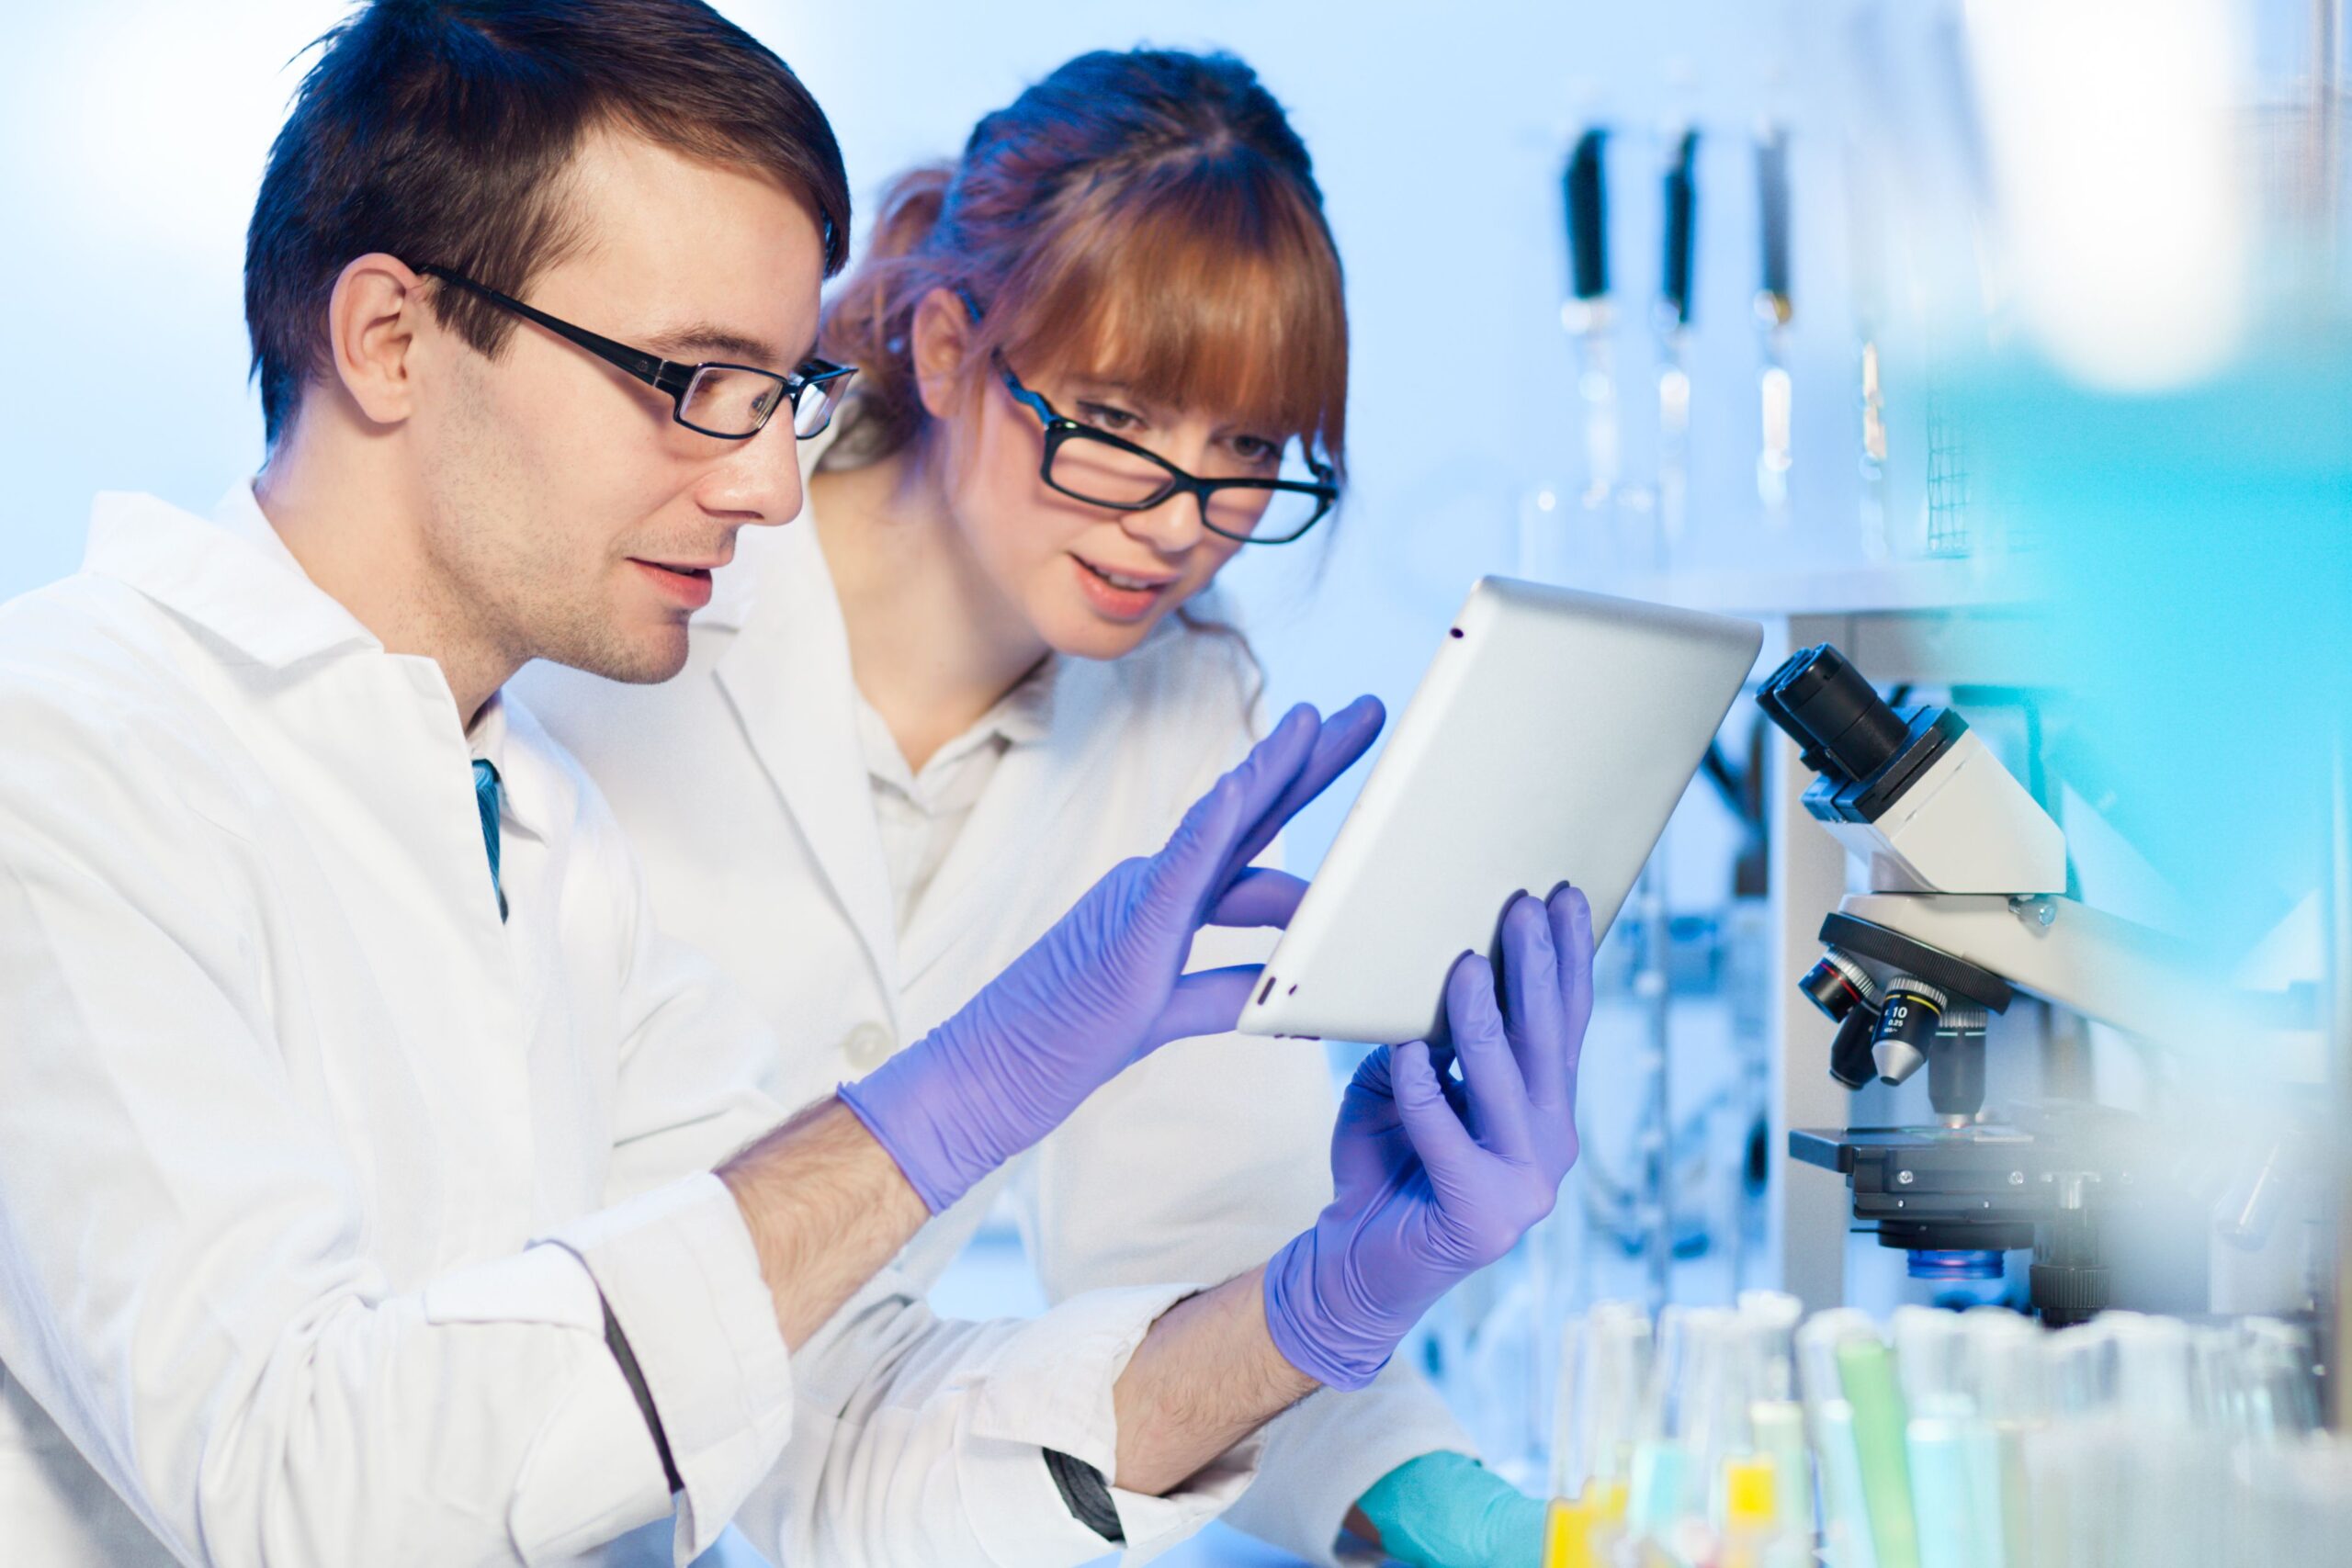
(989, 878)
(788, 678)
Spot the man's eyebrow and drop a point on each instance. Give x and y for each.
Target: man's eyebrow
(704, 340)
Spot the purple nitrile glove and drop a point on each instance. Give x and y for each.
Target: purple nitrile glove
(1433, 1180)
(1107, 984)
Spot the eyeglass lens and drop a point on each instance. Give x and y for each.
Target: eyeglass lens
(727, 401)
(1112, 476)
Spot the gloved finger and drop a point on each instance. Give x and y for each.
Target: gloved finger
(1206, 1001)
(1570, 916)
(1372, 1075)
(1276, 764)
(1343, 738)
(1499, 1108)
(1437, 1134)
(1441, 1063)
(1180, 876)
(1259, 896)
(1534, 1019)
(1198, 858)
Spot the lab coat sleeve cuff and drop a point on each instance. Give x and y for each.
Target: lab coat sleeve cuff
(677, 1266)
(1049, 1386)
(1324, 1454)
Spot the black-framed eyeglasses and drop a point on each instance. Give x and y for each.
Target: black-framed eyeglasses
(733, 402)
(1103, 469)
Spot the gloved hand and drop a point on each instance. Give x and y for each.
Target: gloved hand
(1431, 1180)
(1106, 985)
(1446, 1510)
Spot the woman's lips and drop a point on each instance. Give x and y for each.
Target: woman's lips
(1120, 603)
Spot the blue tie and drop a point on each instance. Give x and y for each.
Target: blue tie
(486, 802)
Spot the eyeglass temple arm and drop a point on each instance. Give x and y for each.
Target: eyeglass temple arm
(647, 368)
(1034, 402)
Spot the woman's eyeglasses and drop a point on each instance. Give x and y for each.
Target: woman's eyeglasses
(1103, 469)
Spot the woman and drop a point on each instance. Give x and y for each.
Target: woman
(1098, 357)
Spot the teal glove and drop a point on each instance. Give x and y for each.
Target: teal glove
(1446, 1510)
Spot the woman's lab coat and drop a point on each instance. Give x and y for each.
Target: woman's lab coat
(313, 1171)
(743, 788)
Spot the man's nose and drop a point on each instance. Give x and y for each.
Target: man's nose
(760, 482)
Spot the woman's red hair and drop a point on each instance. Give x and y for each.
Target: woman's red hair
(1149, 217)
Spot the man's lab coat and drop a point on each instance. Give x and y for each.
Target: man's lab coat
(741, 786)
(313, 1171)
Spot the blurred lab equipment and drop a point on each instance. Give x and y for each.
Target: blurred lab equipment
(1774, 310)
(1584, 195)
(1671, 322)
(1945, 1440)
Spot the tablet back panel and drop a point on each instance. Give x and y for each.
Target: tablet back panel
(1550, 740)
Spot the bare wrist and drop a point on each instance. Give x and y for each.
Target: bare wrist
(1208, 1375)
(825, 1206)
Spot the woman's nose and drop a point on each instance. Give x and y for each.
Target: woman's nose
(1171, 526)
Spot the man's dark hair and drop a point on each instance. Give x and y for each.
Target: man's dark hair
(440, 131)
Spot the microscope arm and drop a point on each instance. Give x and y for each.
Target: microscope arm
(2108, 969)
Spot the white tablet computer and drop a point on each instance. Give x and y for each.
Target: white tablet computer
(1549, 741)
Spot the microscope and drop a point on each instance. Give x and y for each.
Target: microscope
(1966, 910)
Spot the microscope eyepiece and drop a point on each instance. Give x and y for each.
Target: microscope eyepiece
(1846, 730)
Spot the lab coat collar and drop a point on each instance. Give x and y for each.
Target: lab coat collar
(1023, 716)
(230, 575)
(233, 576)
(532, 791)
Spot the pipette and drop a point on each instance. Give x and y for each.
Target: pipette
(1864, 238)
(1672, 321)
(1774, 310)
(1584, 197)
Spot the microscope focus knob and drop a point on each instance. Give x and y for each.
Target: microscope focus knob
(1910, 1015)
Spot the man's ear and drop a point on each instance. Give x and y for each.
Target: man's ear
(373, 319)
(938, 340)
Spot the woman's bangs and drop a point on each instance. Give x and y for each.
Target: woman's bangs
(1191, 304)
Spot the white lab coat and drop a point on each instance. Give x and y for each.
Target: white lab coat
(311, 1171)
(743, 787)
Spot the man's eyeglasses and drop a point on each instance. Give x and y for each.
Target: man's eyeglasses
(1103, 469)
(730, 401)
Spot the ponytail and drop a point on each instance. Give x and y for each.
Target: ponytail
(866, 321)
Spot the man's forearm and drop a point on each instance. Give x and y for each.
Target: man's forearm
(1206, 1376)
(827, 1207)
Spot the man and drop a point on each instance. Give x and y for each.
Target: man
(373, 1177)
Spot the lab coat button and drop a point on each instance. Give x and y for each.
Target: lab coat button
(867, 1046)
